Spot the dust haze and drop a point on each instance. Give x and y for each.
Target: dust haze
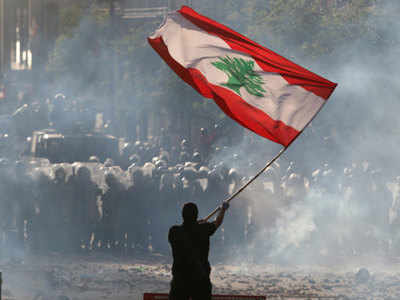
(330, 201)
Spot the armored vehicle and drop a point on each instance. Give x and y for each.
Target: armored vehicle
(78, 147)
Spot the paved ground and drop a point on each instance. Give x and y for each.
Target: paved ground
(107, 277)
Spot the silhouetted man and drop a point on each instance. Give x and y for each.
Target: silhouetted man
(190, 243)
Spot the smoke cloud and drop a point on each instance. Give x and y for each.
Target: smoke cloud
(341, 214)
(357, 130)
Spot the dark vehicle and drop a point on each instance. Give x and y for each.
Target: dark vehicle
(59, 147)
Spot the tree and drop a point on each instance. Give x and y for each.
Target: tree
(308, 29)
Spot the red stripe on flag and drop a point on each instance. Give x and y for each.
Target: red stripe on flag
(268, 60)
(232, 104)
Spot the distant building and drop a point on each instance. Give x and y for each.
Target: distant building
(171, 4)
(27, 29)
(142, 9)
(326, 4)
(176, 4)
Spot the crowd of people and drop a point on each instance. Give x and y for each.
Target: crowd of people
(107, 205)
(130, 204)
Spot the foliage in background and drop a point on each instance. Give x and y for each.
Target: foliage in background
(306, 28)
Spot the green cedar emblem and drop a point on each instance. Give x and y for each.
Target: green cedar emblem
(241, 74)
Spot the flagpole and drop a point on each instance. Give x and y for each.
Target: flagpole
(248, 183)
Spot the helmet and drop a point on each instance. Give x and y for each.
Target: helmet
(59, 97)
(60, 174)
(83, 172)
(94, 158)
(184, 143)
(233, 174)
(203, 172)
(196, 157)
(109, 162)
(160, 163)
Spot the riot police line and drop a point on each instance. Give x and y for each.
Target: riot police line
(93, 205)
(129, 205)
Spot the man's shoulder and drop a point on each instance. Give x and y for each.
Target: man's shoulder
(175, 233)
(175, 228)
(208, 227)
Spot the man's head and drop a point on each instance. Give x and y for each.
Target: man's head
(190, 212)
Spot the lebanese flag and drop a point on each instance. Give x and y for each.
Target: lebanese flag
(258, 88)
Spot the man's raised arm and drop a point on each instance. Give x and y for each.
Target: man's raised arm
(220, 218)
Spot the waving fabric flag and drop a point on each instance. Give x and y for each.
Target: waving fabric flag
(258, 88)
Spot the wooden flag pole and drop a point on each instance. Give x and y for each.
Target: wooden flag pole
(248, 183)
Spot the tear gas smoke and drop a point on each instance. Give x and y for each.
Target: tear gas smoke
(351, 142)
(359, 123)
